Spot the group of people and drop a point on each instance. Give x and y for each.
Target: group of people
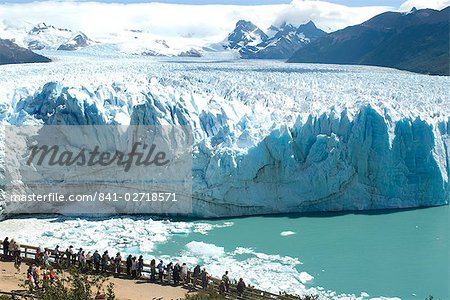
(132, 267)
(12, 249)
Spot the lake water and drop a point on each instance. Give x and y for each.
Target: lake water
(401, 254)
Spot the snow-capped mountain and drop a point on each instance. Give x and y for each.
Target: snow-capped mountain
(75, 43)
(280, 42)
(46, 37)
(246, 35)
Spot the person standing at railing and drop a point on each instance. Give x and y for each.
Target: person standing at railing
(57, 254)
(89, 260)
(83, 261)
(12, 247)
(153, 270)
(205, 278)
(169, 269)
(241, 287)
(79, 257)
(226, 281)
(183, 273)
(105, 261)
(69, 254)
(117, 262)
(129, 263)
(134, 267)
(196, 274)
(96, 257)
(45, 258)
(5, 246)
(68, 257)
(176, 274)
(140, 266)
(161, 271)
(37, 257)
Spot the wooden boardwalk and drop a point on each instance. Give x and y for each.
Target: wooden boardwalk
(28, 255)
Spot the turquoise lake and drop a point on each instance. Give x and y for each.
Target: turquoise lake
(394, 254)
(401, 254)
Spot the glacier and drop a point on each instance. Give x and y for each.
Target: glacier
(269, 137)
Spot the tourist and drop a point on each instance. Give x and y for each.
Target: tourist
(117, 263)
(57, 254)
(161, 271)
(79, 257)
(169, 273)
(89, 260)
(17, 261)
(36, 275)
(153, 270)
(176, 274)
(69, 255)
(205, 277)
(134, 267)
(240, 287)
(83, 261)
(105, 261)
(226, 281)
(196, 274)
(112, 265)
(140, 266)
(129, 263)
(45, 259)
(30, 277)
(73, 256)
(96, 257)
(184, 273)
(12, 247)
(52, 276)
(37, 257)
(5, 247)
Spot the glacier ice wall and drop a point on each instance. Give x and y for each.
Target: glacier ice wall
(273, 140)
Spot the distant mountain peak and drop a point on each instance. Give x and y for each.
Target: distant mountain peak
(280, 41)
(80, 40)
(245, 33)
(43, 27)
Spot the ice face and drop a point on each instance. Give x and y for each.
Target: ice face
(269, 137)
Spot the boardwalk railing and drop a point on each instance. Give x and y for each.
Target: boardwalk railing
(28, 254)
(17, 295)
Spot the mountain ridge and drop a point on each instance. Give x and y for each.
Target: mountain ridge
(11, 53)
(411, 42)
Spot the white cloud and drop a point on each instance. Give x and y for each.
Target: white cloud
(435, 4)
(211, 22)
(160, 19)
(328, 16)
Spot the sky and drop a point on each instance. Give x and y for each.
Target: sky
(212, 22)
(394, 3)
